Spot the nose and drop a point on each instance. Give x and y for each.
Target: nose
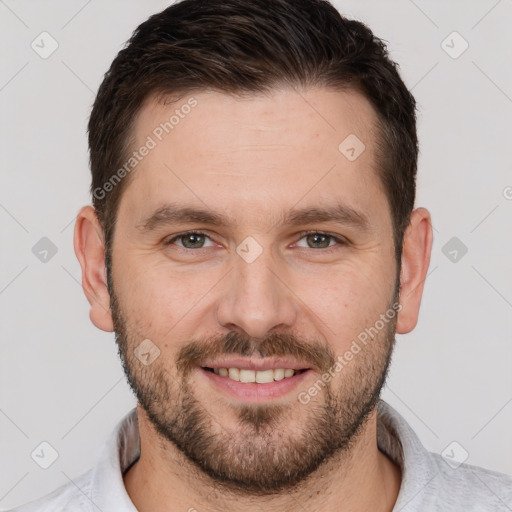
(256, 299)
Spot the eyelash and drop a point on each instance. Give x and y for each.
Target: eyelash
(341, 241)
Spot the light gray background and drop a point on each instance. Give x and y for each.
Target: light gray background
(60, 377)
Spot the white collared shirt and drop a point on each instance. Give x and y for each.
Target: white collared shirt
(429, 481)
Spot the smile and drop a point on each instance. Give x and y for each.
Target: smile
(255, 386)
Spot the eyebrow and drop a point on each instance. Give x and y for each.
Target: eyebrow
(175, 214)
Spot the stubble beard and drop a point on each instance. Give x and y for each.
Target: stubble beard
(261, 454)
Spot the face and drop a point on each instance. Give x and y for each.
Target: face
(289, 266)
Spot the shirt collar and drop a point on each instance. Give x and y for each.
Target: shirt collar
(120, 451)
(401, 444)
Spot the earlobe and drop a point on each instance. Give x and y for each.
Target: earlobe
(90, 251)
(416, 250)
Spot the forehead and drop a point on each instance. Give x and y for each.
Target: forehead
(276, 149)
(282, 116)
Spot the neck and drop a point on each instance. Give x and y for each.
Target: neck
(362, 479)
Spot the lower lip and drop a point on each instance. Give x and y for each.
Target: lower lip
(253, 392)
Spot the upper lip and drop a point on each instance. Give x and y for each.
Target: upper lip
(256, 364)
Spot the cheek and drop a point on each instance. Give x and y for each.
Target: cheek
(146, 295)
(348, 301)
(160, 302)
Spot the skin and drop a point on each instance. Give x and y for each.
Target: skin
(254, 159)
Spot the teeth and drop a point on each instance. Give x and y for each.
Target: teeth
(234, 373)
(278, 374)
(261, 377)
(247, 375)
(264, 376)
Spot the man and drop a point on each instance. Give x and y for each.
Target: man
(254, 245)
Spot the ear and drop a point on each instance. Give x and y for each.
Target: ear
(416, 249)
(90, 251)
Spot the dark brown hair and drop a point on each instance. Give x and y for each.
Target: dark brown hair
(252, 46)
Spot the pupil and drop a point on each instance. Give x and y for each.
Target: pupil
(325, 237)
(194, 238)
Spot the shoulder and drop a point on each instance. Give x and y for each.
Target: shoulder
(467, 487)
(70, 497)
(433, 482)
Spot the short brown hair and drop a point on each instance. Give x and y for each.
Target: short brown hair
(251, 46)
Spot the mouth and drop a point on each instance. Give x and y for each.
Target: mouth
(255, 383)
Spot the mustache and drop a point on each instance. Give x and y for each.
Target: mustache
(317, 355)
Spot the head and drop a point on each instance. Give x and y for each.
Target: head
(283, 135)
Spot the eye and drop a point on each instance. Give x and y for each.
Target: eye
(320, 240)
(190, 240)
(315, 240)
